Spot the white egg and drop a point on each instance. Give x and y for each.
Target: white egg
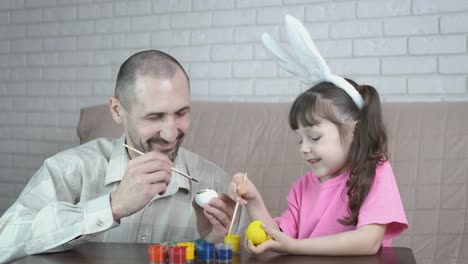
(204, 196)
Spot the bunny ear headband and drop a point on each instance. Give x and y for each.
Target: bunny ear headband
(307, 64)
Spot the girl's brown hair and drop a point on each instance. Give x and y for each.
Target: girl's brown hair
(368, 148)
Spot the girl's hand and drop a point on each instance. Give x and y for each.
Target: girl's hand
(242, 189)
(279, 242)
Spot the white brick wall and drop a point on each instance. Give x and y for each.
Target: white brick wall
(58, 56)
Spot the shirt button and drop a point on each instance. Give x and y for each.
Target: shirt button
(99, 223)
(143, 237)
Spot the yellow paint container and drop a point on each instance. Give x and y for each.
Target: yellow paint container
(235, 241)
(190, 250)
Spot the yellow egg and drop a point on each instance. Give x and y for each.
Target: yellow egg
(255, 232)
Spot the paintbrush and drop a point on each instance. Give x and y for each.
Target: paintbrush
(241, 192)
(173, 169)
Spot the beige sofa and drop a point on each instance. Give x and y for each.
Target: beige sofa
(428, 147)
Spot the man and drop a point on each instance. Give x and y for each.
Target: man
(100, 191)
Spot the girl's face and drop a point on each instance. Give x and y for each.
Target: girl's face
(323, 149)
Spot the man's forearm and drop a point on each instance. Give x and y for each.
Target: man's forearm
(56, 227)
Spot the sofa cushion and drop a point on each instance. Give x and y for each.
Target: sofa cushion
(96, 121)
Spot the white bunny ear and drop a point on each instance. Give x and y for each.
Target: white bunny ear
(304, 49)
(283, 59)
(307, 65)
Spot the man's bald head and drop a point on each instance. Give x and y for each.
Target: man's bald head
(152, 63)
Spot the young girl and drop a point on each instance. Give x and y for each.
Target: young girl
(348, 203)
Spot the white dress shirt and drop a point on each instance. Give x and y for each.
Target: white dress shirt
(67, 203)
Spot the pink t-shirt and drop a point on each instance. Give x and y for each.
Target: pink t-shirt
(315, 207)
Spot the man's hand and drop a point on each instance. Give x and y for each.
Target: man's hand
(146, 176)
(214, 218)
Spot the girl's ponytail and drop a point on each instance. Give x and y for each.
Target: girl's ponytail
(368, 150)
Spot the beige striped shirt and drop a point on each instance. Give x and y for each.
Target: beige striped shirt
(66, 203)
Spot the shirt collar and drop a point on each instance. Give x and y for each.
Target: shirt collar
(338, 180)
(117, 163)
(119, 160)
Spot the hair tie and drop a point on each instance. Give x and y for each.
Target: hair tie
(307, 64)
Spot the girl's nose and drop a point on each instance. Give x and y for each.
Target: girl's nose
(304, 148)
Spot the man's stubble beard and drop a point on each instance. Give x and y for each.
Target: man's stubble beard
(136, 141)
(173, 155)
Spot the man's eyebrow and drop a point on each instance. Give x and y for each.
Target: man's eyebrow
(183, 109)
(154, 114)
(164, 113)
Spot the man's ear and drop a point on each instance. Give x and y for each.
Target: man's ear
(116, 110)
